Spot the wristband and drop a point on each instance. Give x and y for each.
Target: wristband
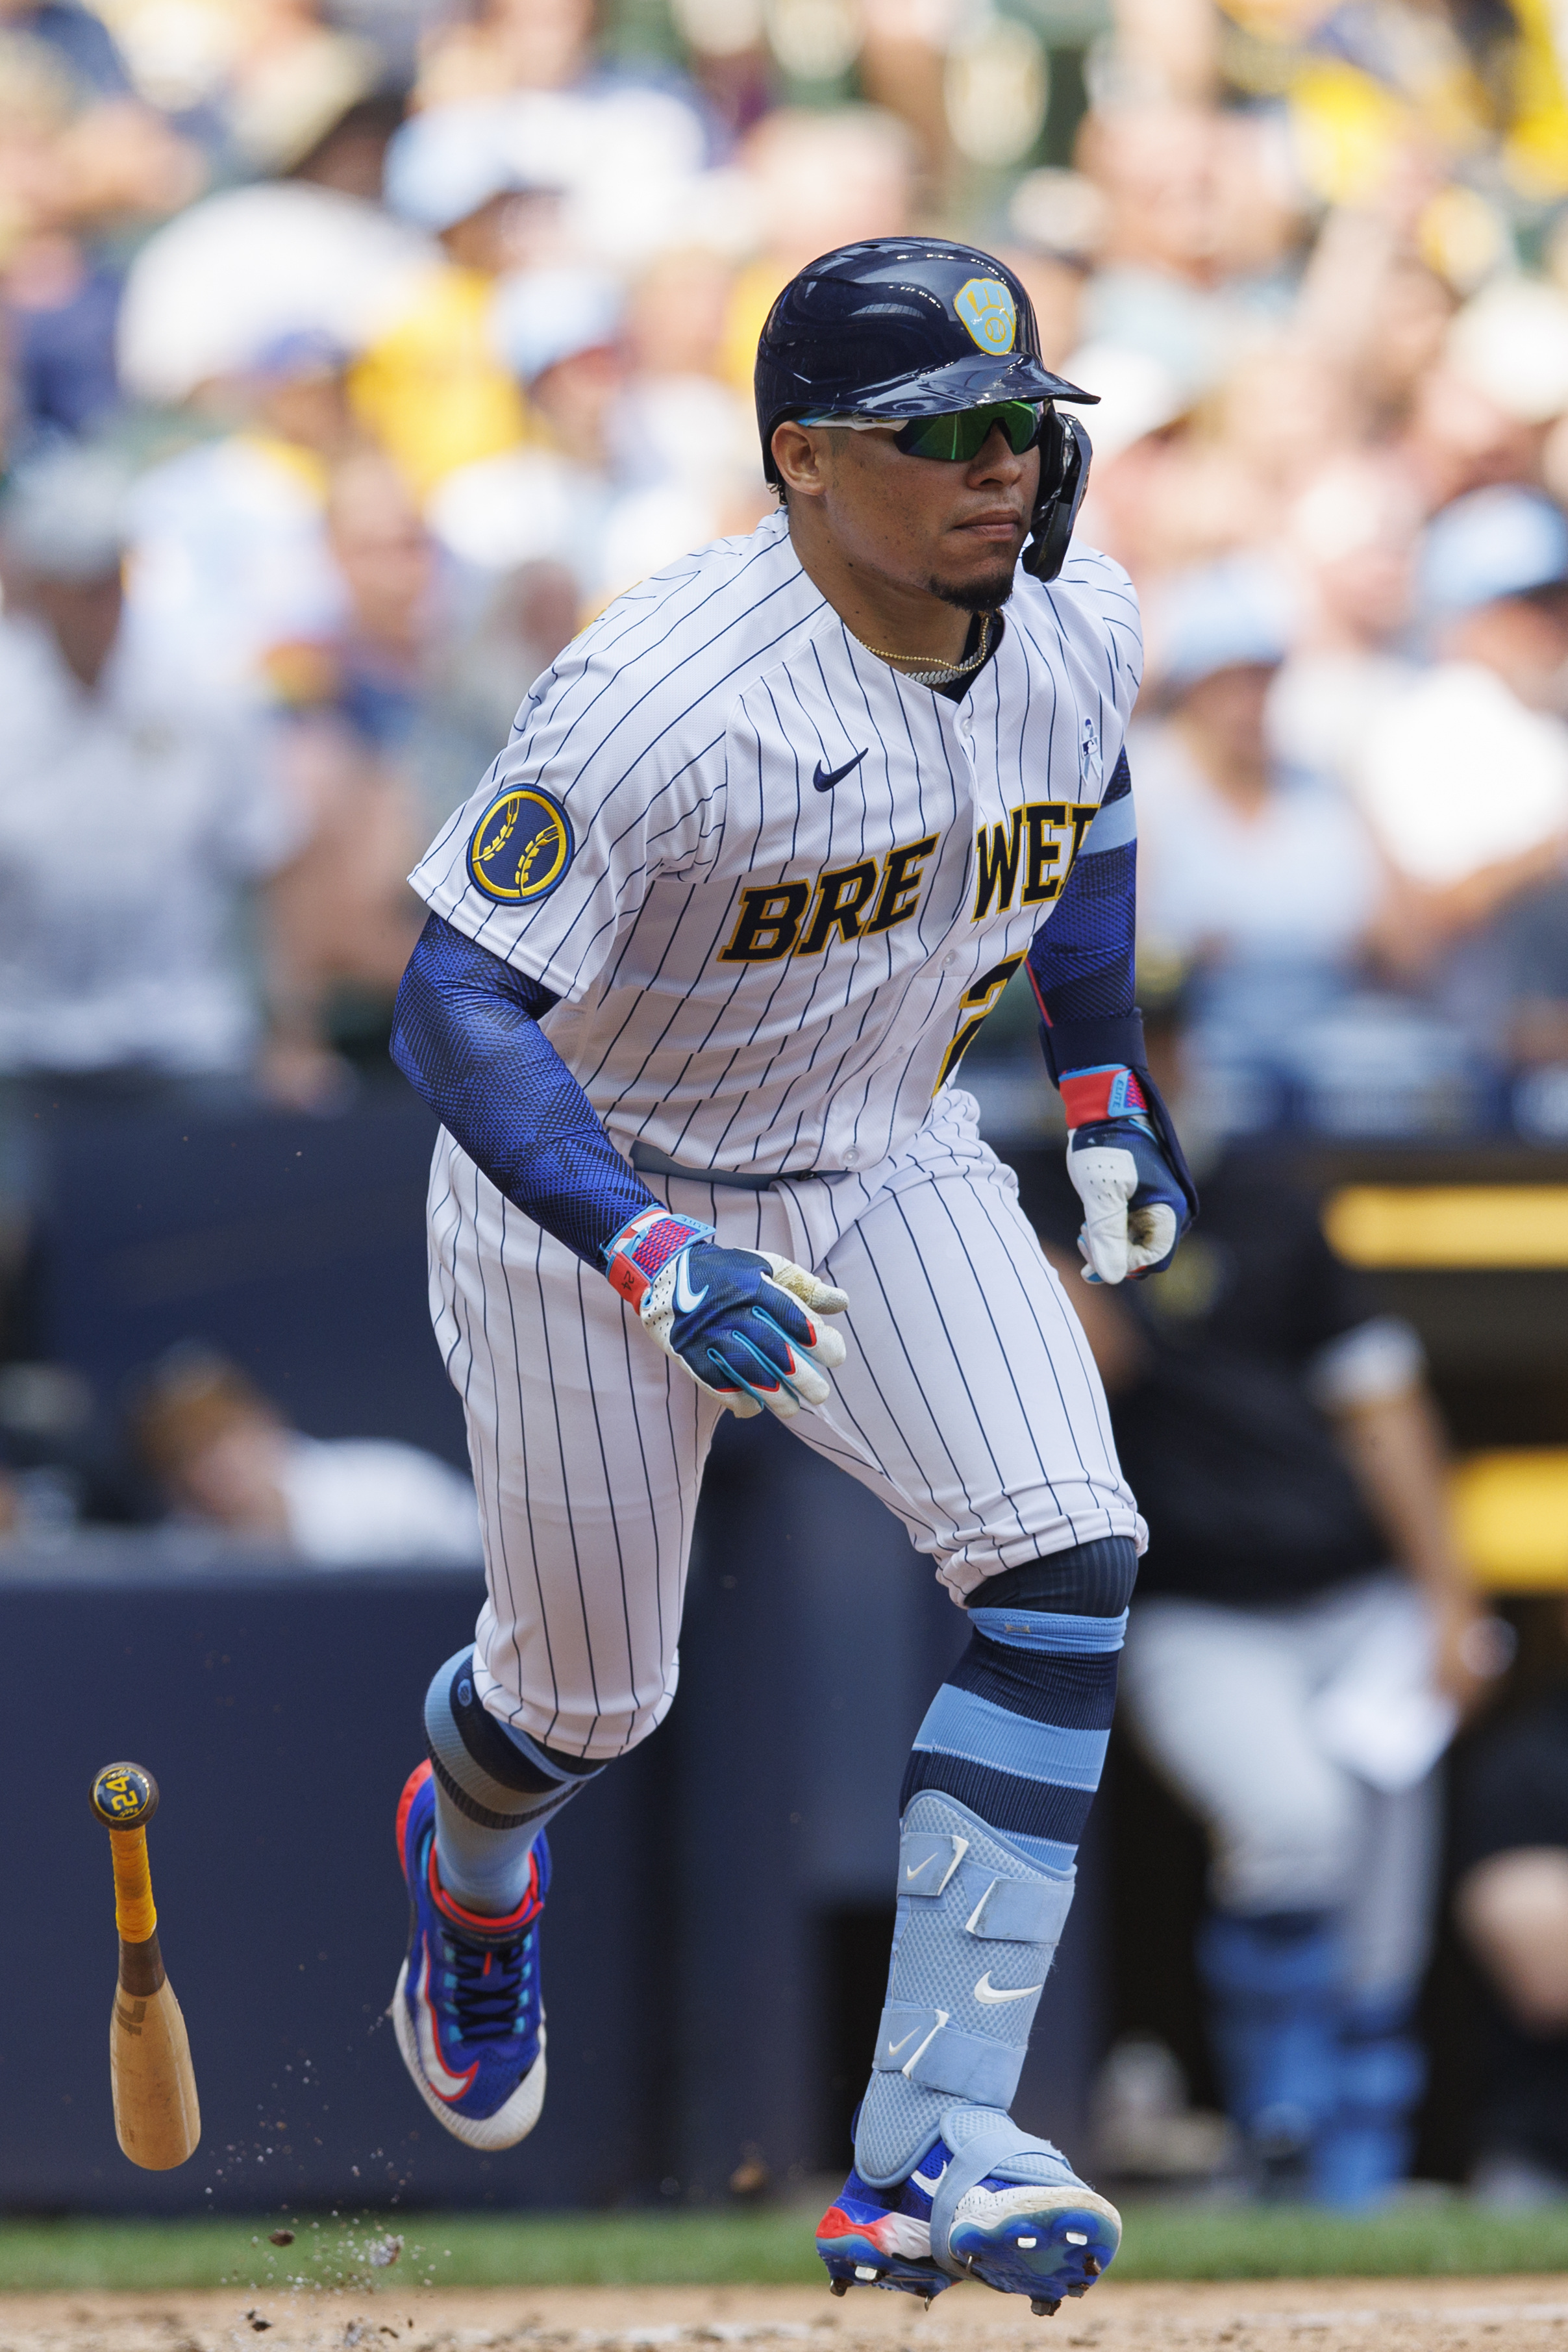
(1088, 1097)
(1090, 1044)
(640, 1252)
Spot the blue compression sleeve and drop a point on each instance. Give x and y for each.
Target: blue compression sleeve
(1082, 965)
(1081, 962)
(466, 1035)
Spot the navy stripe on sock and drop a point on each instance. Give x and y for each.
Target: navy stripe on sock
(1079, 1694)
(1035, 1809)
(484, 1739)
(493, 1748)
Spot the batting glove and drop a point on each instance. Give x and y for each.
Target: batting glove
(743, 1322)
(1135, 1208)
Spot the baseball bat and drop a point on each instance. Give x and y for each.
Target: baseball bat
(156, 2119)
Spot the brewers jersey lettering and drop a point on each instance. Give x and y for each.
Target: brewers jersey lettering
(774, 881)
(775, 886)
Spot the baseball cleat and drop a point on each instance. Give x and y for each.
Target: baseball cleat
(1047, 2239)
(468, 2013)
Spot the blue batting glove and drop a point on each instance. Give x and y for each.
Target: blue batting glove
(1134, 1208)
(742, 1322)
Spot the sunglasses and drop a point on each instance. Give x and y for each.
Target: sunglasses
(959, 437)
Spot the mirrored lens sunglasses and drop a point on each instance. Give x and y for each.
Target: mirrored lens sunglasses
(957, 436)
(962, 434)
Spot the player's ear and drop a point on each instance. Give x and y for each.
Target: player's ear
(800, 453)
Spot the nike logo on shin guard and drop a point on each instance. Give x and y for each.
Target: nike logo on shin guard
(986, 1991)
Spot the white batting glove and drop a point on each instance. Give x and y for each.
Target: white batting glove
(743, 1323)
(1134, 1210)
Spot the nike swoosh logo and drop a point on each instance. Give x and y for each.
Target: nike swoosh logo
(919, 1866)
(447, 2085)
(985, 1990)
(688, 1300)
(919, 2181)
(894, 2047)
(826, 778)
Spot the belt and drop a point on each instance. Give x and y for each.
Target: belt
(648, 1162)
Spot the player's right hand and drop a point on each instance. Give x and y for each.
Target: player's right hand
(746, 1324)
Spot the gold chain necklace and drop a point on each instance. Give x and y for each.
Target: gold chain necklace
(944, 673)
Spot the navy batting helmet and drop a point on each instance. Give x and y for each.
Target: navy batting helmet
(901, 327)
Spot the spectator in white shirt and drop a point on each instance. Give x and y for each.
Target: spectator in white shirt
(1260, 877)
(1464, 778)
(135, 823)
(225, 1457)
(1467, 772)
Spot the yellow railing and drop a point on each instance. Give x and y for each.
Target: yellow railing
(1457, 1227)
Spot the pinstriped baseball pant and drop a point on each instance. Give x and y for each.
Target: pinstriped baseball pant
(969, 1403)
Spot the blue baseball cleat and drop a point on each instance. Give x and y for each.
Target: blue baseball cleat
(468, 2013)
(1047, 2238)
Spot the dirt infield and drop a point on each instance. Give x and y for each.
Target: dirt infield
(1511, 2315)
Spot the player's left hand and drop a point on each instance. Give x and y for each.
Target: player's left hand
(1134, 1208)
(1472, 1647)
(745, 1323)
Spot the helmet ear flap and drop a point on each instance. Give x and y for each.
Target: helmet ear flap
(1065, 450)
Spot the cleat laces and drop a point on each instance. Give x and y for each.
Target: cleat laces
(487, 1986)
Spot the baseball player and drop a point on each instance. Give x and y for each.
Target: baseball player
(704, 954)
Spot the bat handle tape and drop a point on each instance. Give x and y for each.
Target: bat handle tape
(135, 1914)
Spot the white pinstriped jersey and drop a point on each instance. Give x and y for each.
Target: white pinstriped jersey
(773, 882)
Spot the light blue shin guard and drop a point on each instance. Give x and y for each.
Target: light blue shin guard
(978, 1927)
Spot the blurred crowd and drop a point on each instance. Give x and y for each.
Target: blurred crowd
(402, 334)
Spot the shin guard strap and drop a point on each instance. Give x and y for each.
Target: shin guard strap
(983, 2151)
(1003, 1910)
(921, 2045)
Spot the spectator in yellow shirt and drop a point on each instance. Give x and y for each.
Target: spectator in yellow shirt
(432, 389)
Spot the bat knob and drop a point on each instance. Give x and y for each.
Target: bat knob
(124, 1796)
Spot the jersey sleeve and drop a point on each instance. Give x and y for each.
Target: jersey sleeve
(1095, 611)
(607, 785)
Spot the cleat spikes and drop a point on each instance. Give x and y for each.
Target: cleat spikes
(837, 2286)
(1041, 2242)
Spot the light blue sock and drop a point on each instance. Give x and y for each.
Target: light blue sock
(495, 1790)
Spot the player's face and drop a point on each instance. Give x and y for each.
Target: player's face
(953, 529)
